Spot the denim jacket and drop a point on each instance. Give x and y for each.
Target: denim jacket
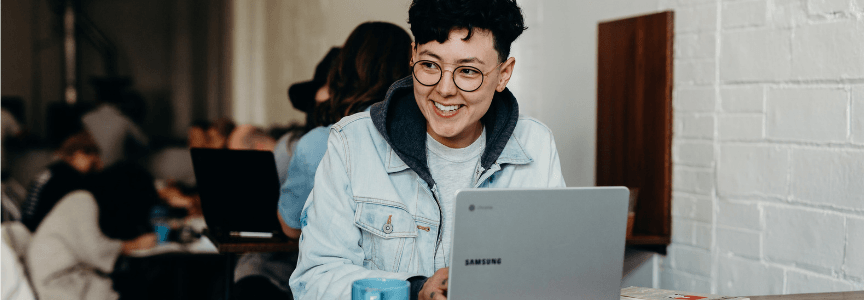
(374, 210)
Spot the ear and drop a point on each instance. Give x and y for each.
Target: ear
(413, 52)
(506, 72)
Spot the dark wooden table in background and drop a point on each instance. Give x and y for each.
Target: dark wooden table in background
(233, 246)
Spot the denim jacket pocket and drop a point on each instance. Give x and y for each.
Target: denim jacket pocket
(389, 235)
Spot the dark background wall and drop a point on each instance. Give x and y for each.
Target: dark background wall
(174, 52)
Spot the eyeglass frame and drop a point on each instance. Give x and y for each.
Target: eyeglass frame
(453, 74)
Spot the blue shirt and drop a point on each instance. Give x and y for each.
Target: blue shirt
(301, 174)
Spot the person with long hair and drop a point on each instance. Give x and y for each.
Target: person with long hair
(375, 55)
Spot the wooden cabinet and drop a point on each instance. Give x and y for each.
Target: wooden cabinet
(634, 118)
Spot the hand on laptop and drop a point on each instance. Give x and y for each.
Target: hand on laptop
(435, 287)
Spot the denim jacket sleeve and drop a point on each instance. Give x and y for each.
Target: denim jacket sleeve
(556, 179)
(331, 257)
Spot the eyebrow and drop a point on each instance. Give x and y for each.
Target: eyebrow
(460, 61)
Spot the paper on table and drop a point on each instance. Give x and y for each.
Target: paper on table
(641, 293)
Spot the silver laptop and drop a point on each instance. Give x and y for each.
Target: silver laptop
(565, 243)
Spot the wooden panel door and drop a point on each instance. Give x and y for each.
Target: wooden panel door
(634, 118)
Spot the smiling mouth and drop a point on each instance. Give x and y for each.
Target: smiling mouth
(446, 110)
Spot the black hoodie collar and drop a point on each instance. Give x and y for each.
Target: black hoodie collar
(403, 126)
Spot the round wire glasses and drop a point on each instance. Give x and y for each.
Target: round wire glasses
(466, 78)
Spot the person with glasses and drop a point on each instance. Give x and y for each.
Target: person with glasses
(382, 201)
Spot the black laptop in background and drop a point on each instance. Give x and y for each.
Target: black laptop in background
(239, 192)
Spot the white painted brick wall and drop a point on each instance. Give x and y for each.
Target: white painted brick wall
(768, 146)
(755, 55)
(695, 99)
(854, 263)
(694, 180)
(703, 235)
(828, 177)
(803, 283)
(697, 126)
(692, 207)
(736, 277)
(752, 170)
(807, 114)
(827, 6)
(829, 51)
(682, 281)
(695, 153)
(747, 13)
(787, 13)
(743, 243)
(857, 116)
(682, 231)
(743, 99)
(740, 127)
(692, 260)
(695, 45)
(803, 237)
(768, 134)
(695, 72)
(698, 18)
(739, 215)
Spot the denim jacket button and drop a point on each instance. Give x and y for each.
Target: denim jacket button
(388, 228)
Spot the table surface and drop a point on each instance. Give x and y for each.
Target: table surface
(859, 295)
(252, 244)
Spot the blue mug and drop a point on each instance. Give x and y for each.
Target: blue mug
(380, 289)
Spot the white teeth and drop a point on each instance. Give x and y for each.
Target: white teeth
(446, 107)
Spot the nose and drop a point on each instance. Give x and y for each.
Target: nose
(446, 87)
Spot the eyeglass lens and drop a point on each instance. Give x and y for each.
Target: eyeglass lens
(466, 78)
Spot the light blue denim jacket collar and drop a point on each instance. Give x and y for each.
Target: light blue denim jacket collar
(400, 122)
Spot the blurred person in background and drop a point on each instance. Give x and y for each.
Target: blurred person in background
(79, 156)
(198, 134)
(304, 96)
(373, 57)
(10, 130)
(264, 275)
(74, 250)
(15, 285)
(218, 133)
(250, 137)
(111, 128)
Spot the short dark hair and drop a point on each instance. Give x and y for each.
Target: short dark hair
(434, 19)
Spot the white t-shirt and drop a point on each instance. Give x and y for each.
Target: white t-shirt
(452, 169)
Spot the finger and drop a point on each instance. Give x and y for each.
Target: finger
(437, 296)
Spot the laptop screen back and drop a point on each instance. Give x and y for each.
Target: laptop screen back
(239, 189)
(563, 243)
